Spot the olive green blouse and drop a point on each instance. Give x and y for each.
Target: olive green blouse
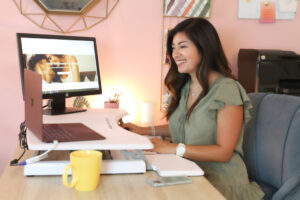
(230, 178)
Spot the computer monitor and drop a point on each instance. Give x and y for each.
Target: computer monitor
(68, 65)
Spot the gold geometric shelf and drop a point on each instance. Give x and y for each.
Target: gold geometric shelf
(74, 16)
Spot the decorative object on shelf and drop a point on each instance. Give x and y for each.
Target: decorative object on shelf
(113, 99)
(81, 102)
(66, 16)
(187, 8)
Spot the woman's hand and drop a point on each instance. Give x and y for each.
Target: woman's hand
(162, 146)
(134, 128)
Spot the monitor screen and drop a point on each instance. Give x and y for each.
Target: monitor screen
(68, 65)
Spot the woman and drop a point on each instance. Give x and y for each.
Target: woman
(207, 110)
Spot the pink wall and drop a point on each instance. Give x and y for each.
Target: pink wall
(129, 47)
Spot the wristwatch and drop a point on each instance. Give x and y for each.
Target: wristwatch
(180, 150)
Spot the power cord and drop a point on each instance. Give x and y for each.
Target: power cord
(22, 143)
(39, 157)
(44, 106)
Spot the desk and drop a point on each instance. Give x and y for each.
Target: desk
(14, 186)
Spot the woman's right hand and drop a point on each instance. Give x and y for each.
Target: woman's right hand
(134, 128)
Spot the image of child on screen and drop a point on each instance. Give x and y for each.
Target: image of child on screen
(66, 66)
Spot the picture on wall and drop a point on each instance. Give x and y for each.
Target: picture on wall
(187, 8)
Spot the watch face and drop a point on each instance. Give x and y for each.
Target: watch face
(180, 149)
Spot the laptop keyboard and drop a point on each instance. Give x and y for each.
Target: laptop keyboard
(54, 132)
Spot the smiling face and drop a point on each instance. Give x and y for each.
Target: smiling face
(185, 54)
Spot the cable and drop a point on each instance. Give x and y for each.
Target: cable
(15, 161)
(22, 143)
(44, 106)
(39, 157)
(23, 140)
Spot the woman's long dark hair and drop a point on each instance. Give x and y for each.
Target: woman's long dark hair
(205, 37)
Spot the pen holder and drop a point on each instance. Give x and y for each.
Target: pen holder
(111, 105)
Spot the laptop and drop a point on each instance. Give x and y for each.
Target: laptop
(64, 132)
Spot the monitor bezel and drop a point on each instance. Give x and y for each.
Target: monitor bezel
(22, 64)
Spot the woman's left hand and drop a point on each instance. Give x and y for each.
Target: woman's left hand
(162, 146)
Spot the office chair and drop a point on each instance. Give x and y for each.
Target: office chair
(272, 145)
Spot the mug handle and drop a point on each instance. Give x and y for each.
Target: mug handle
(65, 177)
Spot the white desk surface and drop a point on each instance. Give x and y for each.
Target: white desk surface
(117, 138)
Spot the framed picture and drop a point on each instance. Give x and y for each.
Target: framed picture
(187, 8)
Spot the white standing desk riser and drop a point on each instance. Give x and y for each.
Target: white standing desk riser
(117, 138)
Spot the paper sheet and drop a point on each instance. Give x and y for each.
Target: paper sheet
(288, 5)
(267, 12)
(250, 9)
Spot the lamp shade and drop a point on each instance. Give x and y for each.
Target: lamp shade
(147, 112)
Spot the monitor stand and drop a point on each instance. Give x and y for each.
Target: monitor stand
(56, 106)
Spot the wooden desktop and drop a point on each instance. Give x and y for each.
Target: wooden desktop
(14, 186)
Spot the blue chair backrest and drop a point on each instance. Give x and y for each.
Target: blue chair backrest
(272, 138)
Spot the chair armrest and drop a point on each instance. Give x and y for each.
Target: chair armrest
(290, 190)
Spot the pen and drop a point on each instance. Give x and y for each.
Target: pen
(32, 160)
(107, 121)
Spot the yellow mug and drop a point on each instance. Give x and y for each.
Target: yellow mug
(85, 166)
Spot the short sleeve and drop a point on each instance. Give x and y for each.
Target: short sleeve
(229, 92)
